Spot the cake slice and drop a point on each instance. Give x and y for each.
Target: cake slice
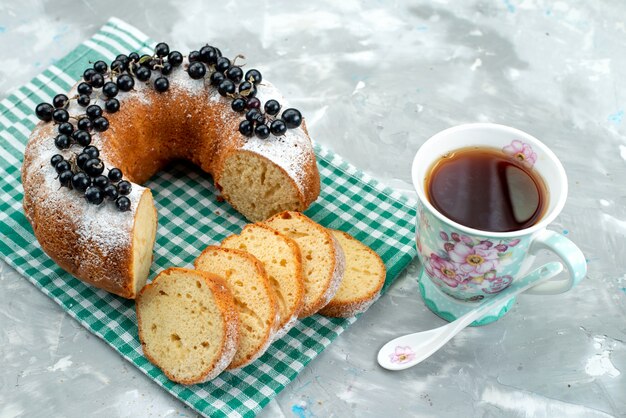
(188, 324)
(322, 258)
(254, 298)
(281, 258)
(363, 278)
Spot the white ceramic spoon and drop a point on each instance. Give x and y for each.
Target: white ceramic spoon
(409, 350)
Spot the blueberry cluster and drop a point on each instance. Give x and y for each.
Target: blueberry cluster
(83, 172)
(230, 81)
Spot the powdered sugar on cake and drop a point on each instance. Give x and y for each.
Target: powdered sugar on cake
(102, 230)
(288, 151)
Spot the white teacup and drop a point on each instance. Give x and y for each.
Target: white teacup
(462, 265)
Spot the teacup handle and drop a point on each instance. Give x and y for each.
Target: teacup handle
(571, 256)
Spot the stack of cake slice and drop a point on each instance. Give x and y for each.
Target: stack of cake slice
(193, 324)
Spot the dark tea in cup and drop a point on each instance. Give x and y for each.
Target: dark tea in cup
(484, 188)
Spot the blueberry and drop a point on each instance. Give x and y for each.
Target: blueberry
(56, 158)
(112, 105)
(84, 88)
(254, 76)
(161, 49)
(110, 191)
(262, 131)
(100, 66)
(161, 84)
(239, 104)
(292, 118)
(62, 141)
(125, 82)
(124, 187)
(247, 89)
(60, 115)
(226, 87)
(196, 70)
(93, 111)
(94, 167)
(44, 111)
(235, 74)
(84, 100)
(81, 181)
(123, 203)
(246, 128)
(278, 127)
(143, 73)
(175, 58)
(66, 128)
(115, 175)
(101, 124)
(84, 124)
(60, 100)
(97, 81)
(110, 89)
(94, 195)
(272, 107)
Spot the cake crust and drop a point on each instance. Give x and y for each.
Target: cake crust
(190, 121)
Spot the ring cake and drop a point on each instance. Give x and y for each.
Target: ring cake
(124, 122)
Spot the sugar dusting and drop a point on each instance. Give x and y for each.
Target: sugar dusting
(340, 267)
(103, 226)
(290, 151)
(231, 334)
(285, 328)
(104, 232)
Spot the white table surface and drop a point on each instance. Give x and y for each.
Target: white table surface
(375, 79)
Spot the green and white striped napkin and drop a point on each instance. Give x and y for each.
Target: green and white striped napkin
(189, 214)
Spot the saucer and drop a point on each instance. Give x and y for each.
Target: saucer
(450, 309)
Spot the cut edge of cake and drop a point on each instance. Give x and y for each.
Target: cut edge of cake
(211, 313)
(356, 293)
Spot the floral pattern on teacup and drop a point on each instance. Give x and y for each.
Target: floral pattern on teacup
(464, 261)
(522, 152)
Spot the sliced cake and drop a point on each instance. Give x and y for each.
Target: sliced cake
(254, 298)
(363, 278)
(281, 258)
(322, 258)
(188, 324)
